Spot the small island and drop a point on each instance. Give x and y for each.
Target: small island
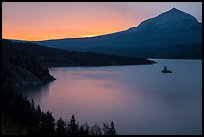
(166, 71)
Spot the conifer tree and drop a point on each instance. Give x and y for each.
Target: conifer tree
(73, 126)
(61, 127)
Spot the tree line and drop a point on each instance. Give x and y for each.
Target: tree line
(52, 57)
(28, 116)
(21, 116)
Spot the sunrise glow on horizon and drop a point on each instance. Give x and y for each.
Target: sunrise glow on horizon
(56, 20)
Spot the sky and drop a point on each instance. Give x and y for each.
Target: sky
(55, 20)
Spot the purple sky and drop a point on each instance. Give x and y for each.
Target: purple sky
(47, 20)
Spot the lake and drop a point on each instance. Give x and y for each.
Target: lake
(138, 98)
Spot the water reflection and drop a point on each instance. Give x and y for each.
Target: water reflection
(139, 99)
(38, 93)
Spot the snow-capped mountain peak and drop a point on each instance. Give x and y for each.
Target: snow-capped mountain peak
(172, 20)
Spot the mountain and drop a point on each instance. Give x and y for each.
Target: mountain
(172, 34)
(19, 70)
(170, 21)
(51, 57)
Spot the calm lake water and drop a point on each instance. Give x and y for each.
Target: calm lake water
(138, 98)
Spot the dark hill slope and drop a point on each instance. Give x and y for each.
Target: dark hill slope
(172, 34)
(52, 57)
(20, 70)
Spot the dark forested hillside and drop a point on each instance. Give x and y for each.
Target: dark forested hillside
(52, 57)
(20, 70)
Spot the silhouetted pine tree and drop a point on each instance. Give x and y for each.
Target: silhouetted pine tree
(47, 125)
(86, 128)
(82, 131)
(95, 130)
(73, 126)
(112, 130)
(61, 127)
(109, 130)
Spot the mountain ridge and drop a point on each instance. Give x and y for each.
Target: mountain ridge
(171, 29)
(174, 19)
